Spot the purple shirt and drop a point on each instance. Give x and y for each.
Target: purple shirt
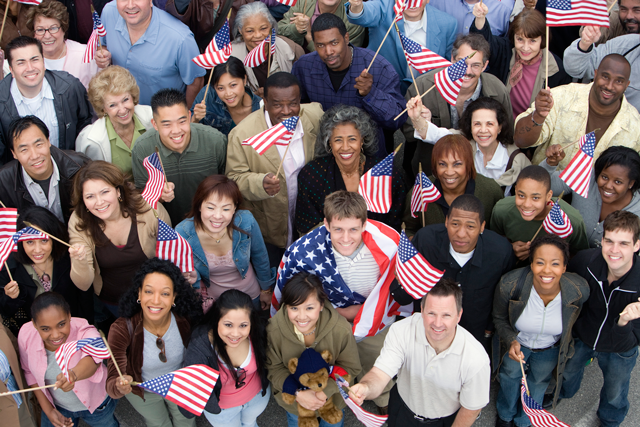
(498, 16)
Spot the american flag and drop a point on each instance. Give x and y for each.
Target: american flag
(279, 134)
(8, 222)
(557, 222)
(189, 388)
(290, 3)
(94, 347)
(10, 241)
(577, 12)
(538, 416)
(6, 246)
(29, 233)
(218, 51)
(32, 2)
(424, 192)
(375, 186)
(401, 5)
(577, 174)
(173, 247)
(153, 188)
(420, 58)
(92, 44)
(313, 253)
(413, 271)
(258, 54)
(449, 81)
(366, 418)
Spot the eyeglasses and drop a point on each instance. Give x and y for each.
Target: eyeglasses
(241, 375)
(52, 30)
(162, 356)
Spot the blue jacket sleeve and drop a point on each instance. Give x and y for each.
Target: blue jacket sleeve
(384, 102)
(260, 258)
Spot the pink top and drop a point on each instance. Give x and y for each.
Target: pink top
(521, 93)
(230, 396)
(73, 63)
(33, 359)
(224, 275)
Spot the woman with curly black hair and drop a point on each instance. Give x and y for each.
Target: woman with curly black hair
(231, 341)
(150, 338)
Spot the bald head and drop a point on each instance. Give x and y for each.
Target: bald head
(610, 81)
(616, 64)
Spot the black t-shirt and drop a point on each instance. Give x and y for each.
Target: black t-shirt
(44, 184)
(337, 77)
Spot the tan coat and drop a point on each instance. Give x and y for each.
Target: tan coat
(8, 406)
(248, 169)
(520, 161)
(282, 60)
(13, 29)
(86, 272)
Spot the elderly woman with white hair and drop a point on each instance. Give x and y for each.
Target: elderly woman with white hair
(346, 148)
(253, 24)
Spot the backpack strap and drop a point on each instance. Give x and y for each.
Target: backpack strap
(511, 158)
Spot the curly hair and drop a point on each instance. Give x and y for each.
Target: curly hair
(45, 220)
(188, 302)
(247, 10)
(131, 205)
(553, 240)
(339, 115)
(626, 157)
(51, 9)
(113, 80)
(505, 137)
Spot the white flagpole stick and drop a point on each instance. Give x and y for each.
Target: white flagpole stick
(381, 43)
(420, 175)
(282, 161)
(113, 358)
(8, 393)
(28, 224)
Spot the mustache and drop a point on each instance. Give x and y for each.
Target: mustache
(630, 21)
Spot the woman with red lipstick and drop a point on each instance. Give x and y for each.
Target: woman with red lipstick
(534, 310)
(519, 60)
(151, 337)
(346, 148)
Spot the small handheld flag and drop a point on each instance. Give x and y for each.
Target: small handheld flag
(562, 13)
(420, 58)
(538, 416)
(92, 44)
(189, 388)
(416, 275)
(31, 2)
(258, 54)
(153, 188)
(449, 81)
(577, 174)
(375, 186)
(290, 3)
(8, 222)
(218, 51)
(173, 247)
(365, 417)
(279, 134)
(401, 5)
(557, 222)
(94, 347)
(424, 192)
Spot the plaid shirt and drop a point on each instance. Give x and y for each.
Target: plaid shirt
(383, 102)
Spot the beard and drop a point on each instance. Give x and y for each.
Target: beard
(631, 21)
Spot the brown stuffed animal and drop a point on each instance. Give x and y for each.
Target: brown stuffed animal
(310, 371)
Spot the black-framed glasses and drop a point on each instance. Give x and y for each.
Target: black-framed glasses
(162, 355)
(241, 376)
(42, 31)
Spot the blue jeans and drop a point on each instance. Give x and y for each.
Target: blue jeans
(241, 416)
(101, 417)
(292, 421)
(539, 367)
(616, 370)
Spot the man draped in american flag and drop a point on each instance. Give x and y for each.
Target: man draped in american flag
(355, 260)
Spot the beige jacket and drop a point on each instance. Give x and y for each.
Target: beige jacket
(86, 272)
(248, 169)
(282, 60)
(520, 161)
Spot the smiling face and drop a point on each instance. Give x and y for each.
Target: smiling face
(101, 199)
(475, 66)
(27, 68)
(119, 108)
(136, 13)
(485, 128)
(346, 144)
(255, 29)
(216, 213)
(282, 103)
(452, 173)
(440, 317)
(173, 126)
(610, 82)
(415, 13)
(618, 248)
(547, 267)
(53, 325)
(52, 43)
(532, 198)
(614, 183)
(346, 234)
(527, 48)
(33, 150)
(333, 48)
(305, 316)
(230, 89)
(234, 327)
(464, 229)
(38, 251)
(156, 297)
(629, 14)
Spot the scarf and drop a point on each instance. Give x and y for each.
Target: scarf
(516, 71)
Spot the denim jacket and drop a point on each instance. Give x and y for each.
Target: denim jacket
(218, 115)
(247, 248)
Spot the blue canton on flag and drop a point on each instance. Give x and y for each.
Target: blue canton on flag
(560, 4)
(577, 174)
(385, 167)
(221, 39)
(457, 70)
(557, 222)
(173, 247)
(589, 146)
(29, 233)
(291, 123)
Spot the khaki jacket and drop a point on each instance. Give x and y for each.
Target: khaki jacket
(86, 272)
(282, 60)
(520, 161)
(248, 169)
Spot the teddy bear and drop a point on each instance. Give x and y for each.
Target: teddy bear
(312, 371)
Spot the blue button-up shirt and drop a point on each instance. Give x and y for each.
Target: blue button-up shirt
(498, 16)
(160, 59)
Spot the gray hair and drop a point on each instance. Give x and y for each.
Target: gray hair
(340, 114)
(247, 10)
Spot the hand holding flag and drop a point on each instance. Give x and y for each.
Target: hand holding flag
(94, 347)
(365, 417)
(94, 39)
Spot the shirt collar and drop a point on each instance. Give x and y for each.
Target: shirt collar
(45, 92)
(411, 27)
(297, 133)
(499, 159)
(151, 33)
(55, 175)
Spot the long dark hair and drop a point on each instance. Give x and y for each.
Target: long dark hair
(47, 222)
(234, 299)
(46, 300)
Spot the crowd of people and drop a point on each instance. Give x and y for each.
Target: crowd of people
(286, 233)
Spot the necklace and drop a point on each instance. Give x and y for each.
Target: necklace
(44, 278)
(310, 333)
(224, 233)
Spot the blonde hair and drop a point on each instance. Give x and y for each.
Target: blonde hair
(113, 80)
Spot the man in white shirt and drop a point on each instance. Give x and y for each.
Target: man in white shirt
(443, 372)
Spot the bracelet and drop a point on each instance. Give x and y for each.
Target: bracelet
(422, 129)
(534, 122)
